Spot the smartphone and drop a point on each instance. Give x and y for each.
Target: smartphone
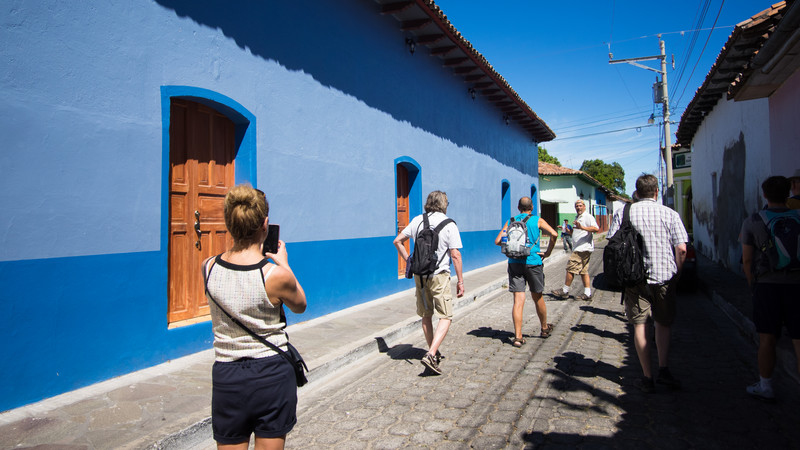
(271, 242)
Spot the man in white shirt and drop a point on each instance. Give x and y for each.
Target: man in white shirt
(583, 231)
(433, 291)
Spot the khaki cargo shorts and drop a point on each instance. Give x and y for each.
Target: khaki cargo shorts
(434, 293)
(579, 262)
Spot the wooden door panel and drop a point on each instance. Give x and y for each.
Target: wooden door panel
(402, 213)
(202, 151)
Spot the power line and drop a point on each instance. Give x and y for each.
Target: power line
(604, 132)
(702, 51)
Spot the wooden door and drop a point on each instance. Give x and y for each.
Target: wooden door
(402, 213)
(201, 151)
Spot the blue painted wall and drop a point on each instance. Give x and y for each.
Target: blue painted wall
(326, 100)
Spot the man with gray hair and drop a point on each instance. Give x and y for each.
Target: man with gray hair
(434, 291)
(583, 231)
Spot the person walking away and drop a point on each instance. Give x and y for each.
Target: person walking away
(665, 241)
(566, 236)
(254, 389)
(774, 286)
(585, 226)
(528, 269)
(793, 202)
(433, 291)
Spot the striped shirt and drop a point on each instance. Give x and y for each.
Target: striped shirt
(662, 230)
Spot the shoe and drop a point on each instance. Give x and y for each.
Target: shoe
(518, 342)
(666, 378)
(584, 297)
(559, 293)
(547, 331)
(755, 389)
(431, 363)
(439, 357)
(645, 384)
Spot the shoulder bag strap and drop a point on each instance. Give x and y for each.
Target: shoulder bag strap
(245, 328)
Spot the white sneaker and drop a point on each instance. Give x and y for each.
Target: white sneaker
(756, 390)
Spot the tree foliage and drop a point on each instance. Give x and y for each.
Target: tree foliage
(545, 157)
(611, 175)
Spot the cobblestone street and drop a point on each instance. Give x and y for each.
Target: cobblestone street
(573, 389)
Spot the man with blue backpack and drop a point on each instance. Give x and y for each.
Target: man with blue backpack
(519, 240)
(771, 263)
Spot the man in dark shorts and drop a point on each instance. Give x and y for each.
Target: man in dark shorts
(775, 298)
(528, 270)
(665, 241)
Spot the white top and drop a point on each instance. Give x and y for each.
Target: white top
(583, 240)
(449, 237)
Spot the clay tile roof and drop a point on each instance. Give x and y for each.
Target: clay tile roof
(736, 55)
(548, 169)
(552, 169)
(429, 27)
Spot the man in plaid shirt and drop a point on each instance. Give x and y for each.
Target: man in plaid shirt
(665, 241)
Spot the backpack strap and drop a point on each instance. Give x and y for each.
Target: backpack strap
(525, 220)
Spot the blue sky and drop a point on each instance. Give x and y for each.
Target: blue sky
(555, 55)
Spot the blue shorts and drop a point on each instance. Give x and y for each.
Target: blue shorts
(774, 305)
(253, 396)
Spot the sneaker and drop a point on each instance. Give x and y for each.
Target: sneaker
(645, 384)
(760, 393)
(431, 363)
(439, 357)
(559, 293)
(584, 297)
(666, 378)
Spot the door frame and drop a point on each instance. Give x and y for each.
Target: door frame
(244, 161)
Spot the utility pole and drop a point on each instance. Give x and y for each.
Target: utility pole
(668, 196)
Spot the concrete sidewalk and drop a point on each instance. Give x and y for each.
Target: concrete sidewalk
(168, 406)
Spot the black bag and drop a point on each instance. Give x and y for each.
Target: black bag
(423, 258)
(623, 257)
(292, 355)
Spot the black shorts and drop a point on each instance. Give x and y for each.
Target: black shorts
(519, 274)
(774, 305)
(253, 396)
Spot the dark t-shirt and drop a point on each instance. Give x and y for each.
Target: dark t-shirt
(754, 232)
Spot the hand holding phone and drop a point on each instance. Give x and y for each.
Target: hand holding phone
(271, 241)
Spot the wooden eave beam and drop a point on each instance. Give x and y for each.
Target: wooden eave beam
(396, 7)
(443, 50)
(411, 25)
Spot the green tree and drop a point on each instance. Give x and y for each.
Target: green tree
(611, 175)
(545, 157)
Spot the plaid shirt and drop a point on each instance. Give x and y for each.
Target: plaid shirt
(662, 230)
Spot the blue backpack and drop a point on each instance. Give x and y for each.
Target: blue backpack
(783, 246)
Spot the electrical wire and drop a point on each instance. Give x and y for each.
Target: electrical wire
(603, 132)
(702, 51)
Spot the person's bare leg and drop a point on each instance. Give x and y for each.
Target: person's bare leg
(427, 329)
(767, 344)
(541, 308)
(642, 348)
(270, 443)
(517, 313)
(441, 331)
(568, 279)
(662, 344)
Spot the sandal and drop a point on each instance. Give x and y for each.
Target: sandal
(518, 342)
(546, 331)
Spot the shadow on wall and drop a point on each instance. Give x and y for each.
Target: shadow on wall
(731, 210)
(343, 45)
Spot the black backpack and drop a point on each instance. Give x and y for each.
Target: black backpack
(623, 257)
(423, 259)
